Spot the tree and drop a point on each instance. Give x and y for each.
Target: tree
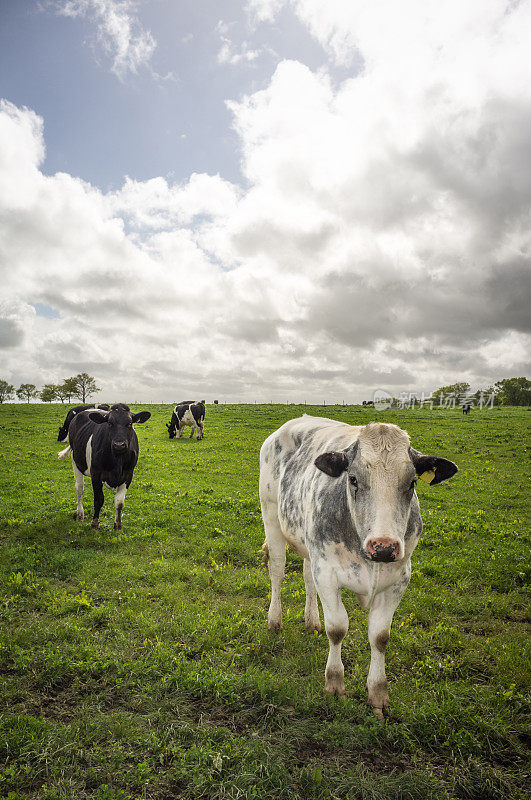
(68, 389)
(456, 391)
(487, 397)
(6, 391)
(61, 392)
(26, 391)
(48, 393)
(86, 385)
(514, 391)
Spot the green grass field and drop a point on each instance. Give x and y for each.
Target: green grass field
(138, 664)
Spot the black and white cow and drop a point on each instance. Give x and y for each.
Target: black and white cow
(467, 408)
(63, 430)
(343, 497)
(104, 447)
(189, 412)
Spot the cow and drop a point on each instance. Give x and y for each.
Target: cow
(343, 497)
(63, 430)
(467, 408)
(189, 412)
(104, 446)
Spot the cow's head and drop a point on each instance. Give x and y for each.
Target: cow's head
(381, 471)
(172, 429)
(120, 423)
(63, 433)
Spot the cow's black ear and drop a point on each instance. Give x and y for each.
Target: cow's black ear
(332, 464)
(432, 469)
(95, 416)
(142, 416)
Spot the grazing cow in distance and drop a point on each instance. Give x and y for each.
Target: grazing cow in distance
(63, 430)
(104, 447)
(466, 408)
(189, 412)
(343, 497)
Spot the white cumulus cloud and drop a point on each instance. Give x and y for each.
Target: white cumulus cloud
(119, 33)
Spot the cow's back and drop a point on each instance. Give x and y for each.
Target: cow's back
(299, 441)
(288, 476)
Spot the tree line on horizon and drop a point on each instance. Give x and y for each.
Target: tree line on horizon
(79, 386)
(507, 392)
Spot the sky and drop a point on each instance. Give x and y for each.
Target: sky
(271, 200)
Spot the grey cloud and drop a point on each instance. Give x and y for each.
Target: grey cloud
(280, 242)
(109, 369)
(360, 311)
(509, 286)
(488, 168)
(255, 329)
(351, 372)
(99, 306)
(11, 333)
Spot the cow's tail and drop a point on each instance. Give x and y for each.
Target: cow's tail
(265, 554)
(64, 453)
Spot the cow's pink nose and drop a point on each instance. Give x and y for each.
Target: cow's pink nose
(383, 549)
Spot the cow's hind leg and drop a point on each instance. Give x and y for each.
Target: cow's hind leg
(119, 499)
(276, 551)
(311, 610)
(336, 626)
(201, 431)
(380, 618)
(80, 482)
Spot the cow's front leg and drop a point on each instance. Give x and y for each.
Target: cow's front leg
(380, 618)
(118, 506)
(336, 626)
(97, 488)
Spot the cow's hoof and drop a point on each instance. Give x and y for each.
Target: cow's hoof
(381, 713)
(117, 527)
(334, 683)
(334, 691)
(95, 524)
(274, 626)
(79, 517)
(312, 627)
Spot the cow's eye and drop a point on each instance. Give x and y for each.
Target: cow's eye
(353, 481)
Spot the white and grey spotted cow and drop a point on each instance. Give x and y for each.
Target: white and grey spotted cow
(343, 497)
